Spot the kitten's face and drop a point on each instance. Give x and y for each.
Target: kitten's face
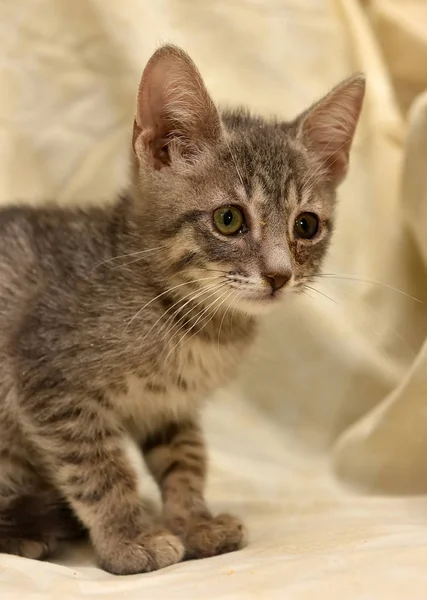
(243, 207)
(250, 214)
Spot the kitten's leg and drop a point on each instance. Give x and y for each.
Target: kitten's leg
(89, 464)
(177, 459)
(33, 518)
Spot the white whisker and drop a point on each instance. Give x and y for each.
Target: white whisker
(238, 295)
(223, 317)
(126, 255)
(233, 158)
(203, 312)
(321, 294)
(163, 294)
(345, 277)
(310, 179)
(185, 315)
(375, 313)
(194, 295)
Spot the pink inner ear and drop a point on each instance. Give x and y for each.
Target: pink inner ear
(174, 107)
(328, 127)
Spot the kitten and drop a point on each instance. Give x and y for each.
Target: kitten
(116, 321)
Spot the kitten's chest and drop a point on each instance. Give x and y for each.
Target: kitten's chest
(176, 388)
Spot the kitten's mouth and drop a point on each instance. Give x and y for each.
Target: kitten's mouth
(262, 301)
(271, 298)
(255, 295)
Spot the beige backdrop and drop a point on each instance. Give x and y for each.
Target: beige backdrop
(333, 402)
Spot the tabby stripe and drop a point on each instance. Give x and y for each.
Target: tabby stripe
(75, 434)
(165, 436)
(287, 184)
(78, 455)
(89, 497)
(191, 455)
(182, 467)
(155, 388)
(188, 444)
(65, 413)
(187, 259)
(191, 216)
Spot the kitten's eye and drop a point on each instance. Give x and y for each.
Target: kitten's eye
(228, 220)
(306, 226)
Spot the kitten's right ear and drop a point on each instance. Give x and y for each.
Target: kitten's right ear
(174, 110)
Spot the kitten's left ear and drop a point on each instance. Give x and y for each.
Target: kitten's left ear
(327, 128)
(175, 113)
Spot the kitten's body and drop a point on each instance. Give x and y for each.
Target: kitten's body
(80, 295)
(72, 329)
(118, 321)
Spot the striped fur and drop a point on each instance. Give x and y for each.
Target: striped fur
(116, 322)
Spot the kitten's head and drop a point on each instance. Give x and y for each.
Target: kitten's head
(241, 206)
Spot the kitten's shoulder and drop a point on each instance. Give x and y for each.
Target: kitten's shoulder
(48, 225)
(44, 215)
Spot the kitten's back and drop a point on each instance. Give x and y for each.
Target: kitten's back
(18, 265)
(43, 248)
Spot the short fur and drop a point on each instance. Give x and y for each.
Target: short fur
(116, 322)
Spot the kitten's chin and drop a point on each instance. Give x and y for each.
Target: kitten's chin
(259, 306)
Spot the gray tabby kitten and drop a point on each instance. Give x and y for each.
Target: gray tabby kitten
(116, 321)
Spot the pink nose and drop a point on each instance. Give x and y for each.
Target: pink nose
(278, 280)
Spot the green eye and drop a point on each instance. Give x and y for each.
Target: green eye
(306, 226)
(228, 220)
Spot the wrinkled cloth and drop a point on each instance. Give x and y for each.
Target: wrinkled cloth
(321, 445)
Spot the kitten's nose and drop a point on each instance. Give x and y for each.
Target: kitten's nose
(278, 280)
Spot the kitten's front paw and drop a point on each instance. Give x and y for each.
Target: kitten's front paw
(209, 536)
(149, 551)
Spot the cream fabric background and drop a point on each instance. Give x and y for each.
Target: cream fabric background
(333, 400)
